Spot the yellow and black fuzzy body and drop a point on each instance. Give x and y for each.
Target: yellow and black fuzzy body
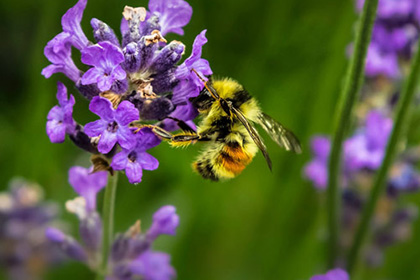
(228, 113)
(231, 147)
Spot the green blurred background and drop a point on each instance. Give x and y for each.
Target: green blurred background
(289, 54)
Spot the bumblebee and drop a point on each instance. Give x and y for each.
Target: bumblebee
(228, 113)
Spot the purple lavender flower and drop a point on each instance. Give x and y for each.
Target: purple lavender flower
(60, 118)
(87, 184)
(381, 63)
(173, 15)
(106, 59)
(333, 274)
(316, 170)
(134, 160)
(66, 243)
(153, 266)
(190, 85)
(388, 9)
(24, 217)
(367, 148)
(58, 52)
(113, 125)
(71, 25)
(143, 73)
(165, 221)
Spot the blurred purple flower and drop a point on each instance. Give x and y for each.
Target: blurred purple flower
(66, 243)
(134, 160)
(87, 184)
(367, 148)
(60, 118)
(403, 178)
(381, 63)
(165, 221)
(24, 217)
(392, 9)
(153, 266)
(106, 59)
(173, 15)
(333, 274)
(113, 125)
(317, 170)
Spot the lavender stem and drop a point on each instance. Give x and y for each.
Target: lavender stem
(402, 118)
(108, 222)
(348, 97)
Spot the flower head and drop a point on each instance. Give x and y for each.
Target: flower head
(60, 118)
(134, 160)
(113, 125)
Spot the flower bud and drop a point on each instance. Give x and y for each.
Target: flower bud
(102, 32)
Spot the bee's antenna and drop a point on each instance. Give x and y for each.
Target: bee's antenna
(210, 89)
(199, 76)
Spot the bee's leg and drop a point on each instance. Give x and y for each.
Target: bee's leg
(177, 140)
(182, 125)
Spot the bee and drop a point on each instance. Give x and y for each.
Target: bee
(228, 113)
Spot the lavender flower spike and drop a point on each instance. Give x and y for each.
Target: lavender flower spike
(67, 244)
(134, 160)
(333, 274)
(105, 58)
(113, 125)
(60, 120)
(173, 15)
(87, 184)
(165, 221)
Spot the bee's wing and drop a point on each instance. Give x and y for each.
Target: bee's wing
(253, 132)
(279, 133)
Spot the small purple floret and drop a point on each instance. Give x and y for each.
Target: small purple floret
(367, 148)
(333, 274)
(165, 221)
(113, 125)
(316, 170)
(60, 118)
(153, 266)
(87, 184)
(173, 15)
(134, 160)
(105, 58)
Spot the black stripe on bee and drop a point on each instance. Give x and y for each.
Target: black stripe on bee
(206, 170)
(239, 98)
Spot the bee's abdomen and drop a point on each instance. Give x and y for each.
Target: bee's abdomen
(205, 169)
(224, 163)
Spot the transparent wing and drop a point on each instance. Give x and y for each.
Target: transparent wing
(279, 133)
(253, 132)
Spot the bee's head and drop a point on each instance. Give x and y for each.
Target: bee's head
(203, 101)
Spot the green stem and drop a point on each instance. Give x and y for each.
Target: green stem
(108, 222)
(348, 97)
(402, 118)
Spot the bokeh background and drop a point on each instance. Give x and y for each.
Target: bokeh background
(289, 54)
